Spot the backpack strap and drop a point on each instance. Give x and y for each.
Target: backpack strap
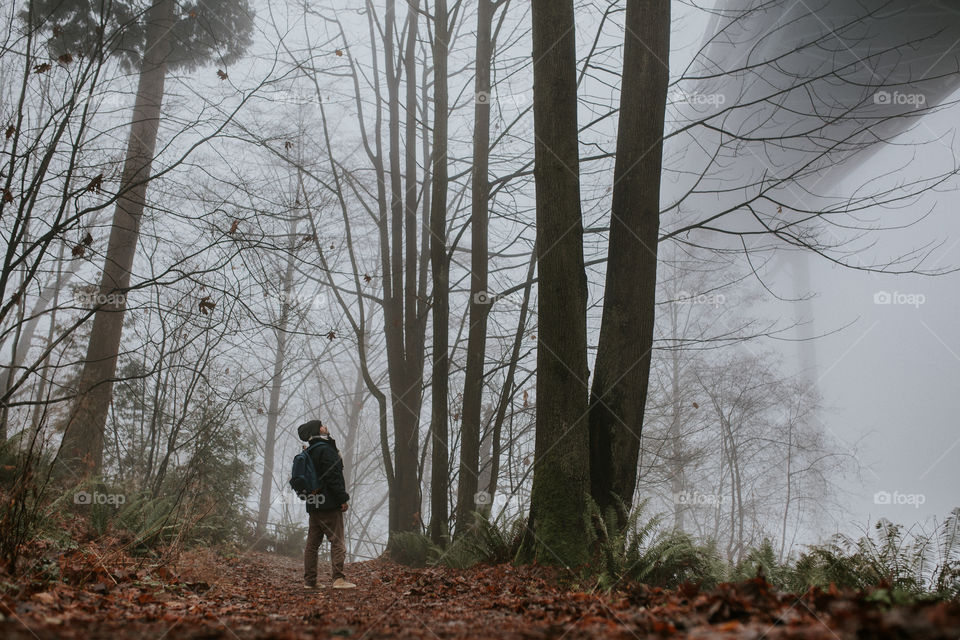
(312, 446)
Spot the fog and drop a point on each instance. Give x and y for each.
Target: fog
(808, 235)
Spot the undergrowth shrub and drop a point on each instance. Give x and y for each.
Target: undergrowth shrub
(484, 541)
(412, 548)
(764, 560)
(906, 564)
(24, 470)
(639, 549)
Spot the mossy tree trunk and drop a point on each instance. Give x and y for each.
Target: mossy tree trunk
(557, 528)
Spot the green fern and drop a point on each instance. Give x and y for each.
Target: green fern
(485, 542)
(637, 549)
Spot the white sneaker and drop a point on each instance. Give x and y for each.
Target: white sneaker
(340, 583)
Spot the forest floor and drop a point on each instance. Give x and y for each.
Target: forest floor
(203, 595)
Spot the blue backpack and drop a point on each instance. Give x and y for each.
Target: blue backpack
(304, 478)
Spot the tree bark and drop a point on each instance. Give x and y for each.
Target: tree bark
(407, 413)
(393, 302)
(404, 350)
(82, 448)
(480, 299)
(440, 269)
(276, 384)
(622, 367)
(561, 481)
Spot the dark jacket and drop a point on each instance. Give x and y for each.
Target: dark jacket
(329, 466)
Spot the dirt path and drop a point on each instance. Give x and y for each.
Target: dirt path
(260, 596)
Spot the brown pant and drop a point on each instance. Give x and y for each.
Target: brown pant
(329, 524)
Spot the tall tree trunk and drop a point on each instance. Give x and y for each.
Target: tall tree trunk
(276, 385)
(440, 268)
(622, 368)
(393, 303)
(404, 350)
(480, 299)
(407, 414)
(561, 479)
(82, 449)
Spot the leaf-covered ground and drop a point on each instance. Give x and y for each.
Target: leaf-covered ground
(95, 594)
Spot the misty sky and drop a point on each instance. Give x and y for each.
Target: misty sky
(889, 373)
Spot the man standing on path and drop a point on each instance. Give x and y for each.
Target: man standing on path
(326, 507)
